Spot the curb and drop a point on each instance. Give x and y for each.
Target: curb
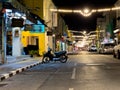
(14, 72)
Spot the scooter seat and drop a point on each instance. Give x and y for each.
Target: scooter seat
(59, 53)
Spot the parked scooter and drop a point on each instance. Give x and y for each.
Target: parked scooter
(57, 56)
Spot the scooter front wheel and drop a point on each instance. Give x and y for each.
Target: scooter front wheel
(63, 59)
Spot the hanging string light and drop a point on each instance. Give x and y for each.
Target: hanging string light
(85, 12)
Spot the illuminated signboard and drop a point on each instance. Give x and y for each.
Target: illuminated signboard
(38, 28)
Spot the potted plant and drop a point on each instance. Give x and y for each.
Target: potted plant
(33, 53)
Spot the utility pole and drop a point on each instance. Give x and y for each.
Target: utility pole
(3, 52)
(54, 24)
(98, 36)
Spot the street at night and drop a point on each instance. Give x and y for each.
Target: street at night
(84, 71)
(59, 45)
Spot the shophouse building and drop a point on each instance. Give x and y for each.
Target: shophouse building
(117, 30)
(52, 23)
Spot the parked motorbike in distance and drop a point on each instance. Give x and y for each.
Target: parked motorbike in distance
(57, 56)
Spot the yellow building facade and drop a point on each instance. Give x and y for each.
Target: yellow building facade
(28, 38)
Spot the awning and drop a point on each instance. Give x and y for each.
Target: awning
(36, 17)
(31, 18)
(7, 5)
(30, 15)
(14, 4)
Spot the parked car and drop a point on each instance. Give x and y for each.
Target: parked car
(106, 48)
(116, 51)
(92, 48)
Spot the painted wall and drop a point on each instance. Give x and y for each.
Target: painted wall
(47, 16)
(36, 7)
(41, 39)
(16, 43)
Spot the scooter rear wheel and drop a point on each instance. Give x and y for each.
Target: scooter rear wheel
(46, 59)
(63, 59)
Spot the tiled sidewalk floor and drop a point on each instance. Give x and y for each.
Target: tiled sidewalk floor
(11, 68)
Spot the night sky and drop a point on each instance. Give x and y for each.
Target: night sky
(77, 21)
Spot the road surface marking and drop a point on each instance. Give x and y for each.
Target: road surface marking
(94, 64)
(73, 73)
(75, 64)
(71, 88)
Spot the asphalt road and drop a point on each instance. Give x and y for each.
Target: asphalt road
(85, 71)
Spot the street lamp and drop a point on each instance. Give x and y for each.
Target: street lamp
(86, 12)
(84, 32)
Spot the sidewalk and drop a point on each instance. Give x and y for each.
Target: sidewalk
(14, 66)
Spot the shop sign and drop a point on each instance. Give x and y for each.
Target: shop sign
(38, 28)
(28, 27)
(17, 22)
(55, 20)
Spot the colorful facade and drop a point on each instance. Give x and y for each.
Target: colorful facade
(37, 39)
(34, 38)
